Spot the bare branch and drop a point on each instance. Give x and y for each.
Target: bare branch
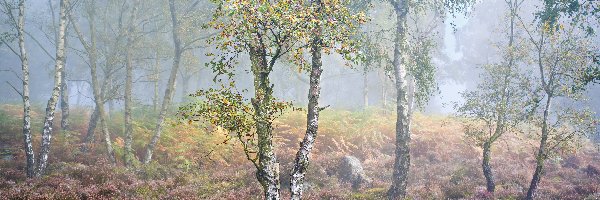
(13, 87)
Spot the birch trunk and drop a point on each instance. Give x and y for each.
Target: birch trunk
(51, 106)
(402, 151)
(64, 96)
(171, 84)
(312, 119)
(268, 167)
(64, 104)
(26, 103)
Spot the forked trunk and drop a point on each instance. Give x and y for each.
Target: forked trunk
(98, 91)
(170, 85)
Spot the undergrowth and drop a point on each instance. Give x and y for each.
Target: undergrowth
(194, 163)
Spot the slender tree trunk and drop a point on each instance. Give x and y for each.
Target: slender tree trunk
(383, 90)
(268, 171)
(487, 168)
(99, 94)
(402, 160)
(111, 104)
(64, 98)
(155, 99)
(542, 154)
(171, 84)
(184, 87)
(365, 90)
(312, 118)
(64, 104)
(501, 109)
(51, 106)
(411, 95)
(26, 103)
(128, 155)
(79, 96)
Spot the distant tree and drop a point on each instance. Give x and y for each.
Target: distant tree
(132, 39)
(191, 68)
(185, 17)
(99, 91)
(373, 54)
(501, 100)
(562, 58)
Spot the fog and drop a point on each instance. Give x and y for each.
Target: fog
(361, 117)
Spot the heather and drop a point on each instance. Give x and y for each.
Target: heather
(195, 163)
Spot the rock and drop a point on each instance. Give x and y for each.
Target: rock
(351, 171)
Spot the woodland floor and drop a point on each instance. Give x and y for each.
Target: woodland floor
(193, 164)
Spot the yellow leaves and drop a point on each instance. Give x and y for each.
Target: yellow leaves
(225, 101)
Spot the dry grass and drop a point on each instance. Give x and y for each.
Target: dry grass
(193, 164)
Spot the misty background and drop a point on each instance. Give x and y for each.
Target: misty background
(464, 43)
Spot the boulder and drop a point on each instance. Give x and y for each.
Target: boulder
(351, 171)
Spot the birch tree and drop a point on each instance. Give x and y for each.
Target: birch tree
(412, 69)
(128, 156)
(325, 37)
(502, 101)
(51, 106)
(19, 24)
(98, 90)
(269, 31)
(561, 57)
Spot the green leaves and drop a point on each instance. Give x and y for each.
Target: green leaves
(227, 109)
(281, 28)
